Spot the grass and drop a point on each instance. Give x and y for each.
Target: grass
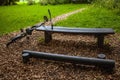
(13, 18)
(93, 18)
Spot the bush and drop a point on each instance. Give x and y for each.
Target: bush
(110, 4)
(63, 1)
(43, 2)
(54, 2)
(60, 1)
(31, 2)
(81, 1)
(8, 2)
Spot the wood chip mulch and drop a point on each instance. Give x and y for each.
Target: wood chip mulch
(12, 67)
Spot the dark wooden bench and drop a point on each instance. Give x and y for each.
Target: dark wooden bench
(99, 33)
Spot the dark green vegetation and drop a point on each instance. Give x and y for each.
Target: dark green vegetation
(42, 2)
(54, 2)
(8, 2)
(110, 4)
(93, 17)
(19, 16)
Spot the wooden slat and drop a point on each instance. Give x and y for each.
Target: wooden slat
(58, 29)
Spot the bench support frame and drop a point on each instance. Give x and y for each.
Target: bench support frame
(100, 38)
(100, 41)
(48, 36)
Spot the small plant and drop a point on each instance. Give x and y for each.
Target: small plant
(41, 39)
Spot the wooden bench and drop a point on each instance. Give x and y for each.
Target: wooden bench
(99, 33)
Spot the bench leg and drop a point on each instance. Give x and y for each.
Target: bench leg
(100, 40)
(48, 36)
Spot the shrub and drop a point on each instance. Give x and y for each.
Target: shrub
(54, 2)
(110, 4)
(43, 2)
(31, 2)
(63, 1)
(81, 1)
(8, 2)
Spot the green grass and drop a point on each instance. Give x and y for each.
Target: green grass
(93, 18)
(12, 18)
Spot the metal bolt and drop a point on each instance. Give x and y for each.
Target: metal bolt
(101, 56)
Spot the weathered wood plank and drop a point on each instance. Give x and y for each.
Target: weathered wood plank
(58, 29)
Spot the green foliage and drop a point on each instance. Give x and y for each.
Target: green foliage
(110, 4)
(54, 2)
(60, 1)
(31, 2)
(41, 39)
(43, 2)
(93, 17)
(13, 18)
(81, 1)
(114, 5)
(63, 1)
(8, 2)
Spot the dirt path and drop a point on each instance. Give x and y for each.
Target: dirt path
(64, 16)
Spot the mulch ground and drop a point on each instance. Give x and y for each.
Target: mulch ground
(12, 67)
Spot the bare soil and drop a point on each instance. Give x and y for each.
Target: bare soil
(12, 67)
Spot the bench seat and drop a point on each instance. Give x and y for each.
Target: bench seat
(97, 32)
(58, 29)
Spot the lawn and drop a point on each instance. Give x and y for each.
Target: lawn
(13, 18)
(93, 17)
